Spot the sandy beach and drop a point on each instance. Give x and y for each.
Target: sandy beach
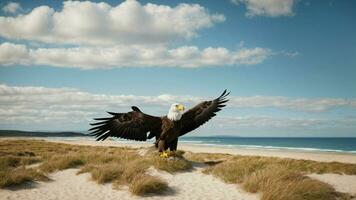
(192, 184)
(317, 156)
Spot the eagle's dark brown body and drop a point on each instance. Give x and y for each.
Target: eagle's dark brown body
(135, 125)
(169, 135)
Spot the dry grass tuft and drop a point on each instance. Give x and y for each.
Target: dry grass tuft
(278, 183)
(19, 176)
(235, 170)
(147, 184)
(280, 179)
(62, 162)
(133, 169)
(171, 165)
(106, 173)
(9, 162)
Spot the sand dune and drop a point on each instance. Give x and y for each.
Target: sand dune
(66, 185)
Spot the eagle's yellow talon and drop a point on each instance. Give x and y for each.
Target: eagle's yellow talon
(164, 154)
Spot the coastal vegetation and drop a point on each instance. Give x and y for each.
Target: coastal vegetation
(275, 178)
(122, 166)
(26, 161)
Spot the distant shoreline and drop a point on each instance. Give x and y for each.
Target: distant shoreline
(17, 133)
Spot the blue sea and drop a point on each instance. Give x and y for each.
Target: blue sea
(347, 145)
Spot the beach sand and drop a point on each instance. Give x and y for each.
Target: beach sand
(192, 184)
(66, 185)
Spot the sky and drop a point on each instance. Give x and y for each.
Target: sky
(290, 64)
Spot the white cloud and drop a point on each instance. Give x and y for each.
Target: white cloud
(301, 104)
(130, 56)
(12, 7)
(67, 105)
(270, 8)
(91, 35)
(102, 24)
(12, 53)
(267, 122)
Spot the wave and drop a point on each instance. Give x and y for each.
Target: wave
(198, 141)
(276, 148)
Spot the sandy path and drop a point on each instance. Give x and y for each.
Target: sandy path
(66, 185)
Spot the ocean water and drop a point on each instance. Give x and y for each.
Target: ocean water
(347, 145)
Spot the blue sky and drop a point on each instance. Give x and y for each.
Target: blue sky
(290, 69)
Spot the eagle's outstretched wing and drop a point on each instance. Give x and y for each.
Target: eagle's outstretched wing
(133, 125)
(202, 113)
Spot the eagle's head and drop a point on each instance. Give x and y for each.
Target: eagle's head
(175, 112)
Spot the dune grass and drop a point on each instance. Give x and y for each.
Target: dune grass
(279, 183)
(277, 178)
(122, 166)
(273, 178)
(20, 175)
(251, 162)
(147, 184)
(61, 162)
(171, 166)
(104, 173)
(12, 165)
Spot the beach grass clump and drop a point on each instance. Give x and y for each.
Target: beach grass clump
(171, 165)
(104, 173)
(178, 163)
(132, 169)
(7, 162)
(278, 178)
(235, 170)
(146, 184)
(61, 162)
(11, 161)
(279, 183)
(19, 176)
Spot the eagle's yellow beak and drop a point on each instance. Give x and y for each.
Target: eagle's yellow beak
(181, 107)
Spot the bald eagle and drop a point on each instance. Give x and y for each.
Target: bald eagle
(135, 125)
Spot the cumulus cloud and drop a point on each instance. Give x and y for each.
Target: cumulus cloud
(12, 7)
(67, 105)
(11, 54)
(93, 23)
(131, 56)
(90, 35)
(267, 122)
(270, 8)
(301, 104)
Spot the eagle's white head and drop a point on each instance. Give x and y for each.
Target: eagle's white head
(175, 112)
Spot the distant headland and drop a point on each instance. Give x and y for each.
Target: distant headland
(18, 133)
